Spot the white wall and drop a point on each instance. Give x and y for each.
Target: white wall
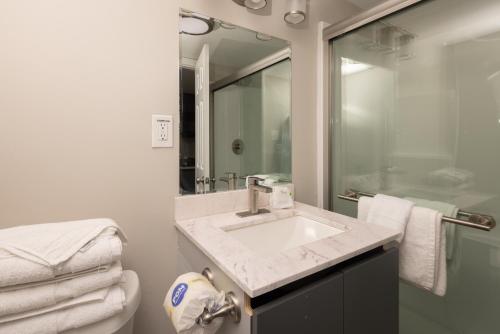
(79, 81)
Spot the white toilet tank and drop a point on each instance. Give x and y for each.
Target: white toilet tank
(122, 323)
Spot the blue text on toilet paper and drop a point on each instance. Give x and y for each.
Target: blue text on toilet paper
(178, 294)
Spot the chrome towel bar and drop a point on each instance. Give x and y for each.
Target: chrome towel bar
(474, 220)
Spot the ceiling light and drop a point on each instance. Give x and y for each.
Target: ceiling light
(296, 11)
(195, 24)
(252, 4)
(263, 37)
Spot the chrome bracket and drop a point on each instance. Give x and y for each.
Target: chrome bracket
(231, 308)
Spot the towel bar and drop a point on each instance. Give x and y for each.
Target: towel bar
(474, 220)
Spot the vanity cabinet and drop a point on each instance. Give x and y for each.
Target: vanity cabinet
(316, 308)
(371, 294)
(358, 297)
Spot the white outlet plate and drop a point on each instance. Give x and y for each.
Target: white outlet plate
(162, 130)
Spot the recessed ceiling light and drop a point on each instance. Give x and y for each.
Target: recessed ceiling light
(193, 24)
(252, 4)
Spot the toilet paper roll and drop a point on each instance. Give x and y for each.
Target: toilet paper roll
(186, 299)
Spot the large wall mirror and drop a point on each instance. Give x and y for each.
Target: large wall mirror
(235, 105)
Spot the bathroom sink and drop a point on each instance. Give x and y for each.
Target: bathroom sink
(279, 235)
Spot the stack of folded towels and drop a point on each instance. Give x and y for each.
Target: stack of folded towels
(60, 276)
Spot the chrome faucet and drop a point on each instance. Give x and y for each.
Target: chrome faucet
(230, 179)
(253, 197)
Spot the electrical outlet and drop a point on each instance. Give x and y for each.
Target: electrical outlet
(162, 131)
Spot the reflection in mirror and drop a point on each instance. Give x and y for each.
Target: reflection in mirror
(235, 106)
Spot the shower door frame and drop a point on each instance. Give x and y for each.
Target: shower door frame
(329, 33)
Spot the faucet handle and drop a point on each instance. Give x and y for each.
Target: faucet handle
(253, 180)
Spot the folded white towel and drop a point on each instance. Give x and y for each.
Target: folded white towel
(98, 295)
(422, 259)
(49, 294)
(422, 252)
(391, 212)
(65, 319)
(57, 279)
(447, 209)
(52, 244)
(104, 250)
(451, 177)
(364, 205)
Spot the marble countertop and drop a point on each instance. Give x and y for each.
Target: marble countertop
(257, 274)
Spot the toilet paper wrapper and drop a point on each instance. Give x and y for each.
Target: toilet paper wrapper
(186, 300)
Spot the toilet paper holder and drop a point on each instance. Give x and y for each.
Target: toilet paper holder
(230, 309)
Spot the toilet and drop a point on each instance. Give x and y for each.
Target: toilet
(122, 323)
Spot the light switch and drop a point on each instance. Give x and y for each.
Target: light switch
(162, 131)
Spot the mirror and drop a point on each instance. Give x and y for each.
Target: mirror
(235, 105)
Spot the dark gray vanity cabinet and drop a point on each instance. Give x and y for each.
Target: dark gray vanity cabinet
(312, 309)
(356, 297)
(371, 295)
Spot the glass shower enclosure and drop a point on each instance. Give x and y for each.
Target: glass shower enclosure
(416, 113)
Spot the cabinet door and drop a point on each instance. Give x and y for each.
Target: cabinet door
(371, 294)
(316, 308)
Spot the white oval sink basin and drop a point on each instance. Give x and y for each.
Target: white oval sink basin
(278, 235)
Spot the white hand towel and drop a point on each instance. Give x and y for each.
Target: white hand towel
(391, 212)
(422, 259)
(61, 320)
(364, 205)
(441, 279)
(49, 294)
(105, 250)
(447, 209)
(52, 244)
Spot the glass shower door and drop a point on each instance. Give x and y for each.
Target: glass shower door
(416, 100)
